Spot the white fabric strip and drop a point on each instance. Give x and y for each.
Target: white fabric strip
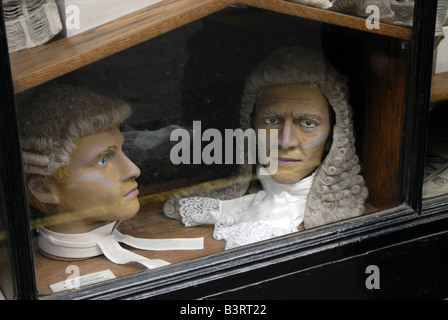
(115, 253)
(82, 245)
(160, 244)
(105, 240)
(298, 189)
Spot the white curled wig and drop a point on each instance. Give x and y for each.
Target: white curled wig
(51, 126)
(339, 191)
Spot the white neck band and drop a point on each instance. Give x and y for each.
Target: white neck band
(104, 240)
(298, 189)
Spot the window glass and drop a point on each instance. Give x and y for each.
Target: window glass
(7, 290)
(436, 165)
(397, 12)
(312, 116)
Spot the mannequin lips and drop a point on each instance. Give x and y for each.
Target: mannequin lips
(132, 194)
(287, 162)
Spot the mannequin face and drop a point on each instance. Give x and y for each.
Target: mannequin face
(101, 185)
(300, 114)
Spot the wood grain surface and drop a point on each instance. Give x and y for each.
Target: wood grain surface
(38, 65)
(150, 223)
(439, 87)
(330, 17)
(61, 55)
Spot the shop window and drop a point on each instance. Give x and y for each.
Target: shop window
(190, 81)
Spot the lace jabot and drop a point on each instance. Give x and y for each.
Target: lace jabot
(275, 211)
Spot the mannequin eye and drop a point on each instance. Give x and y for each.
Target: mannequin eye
(102, 163)
(307, 124)
(102, 159)
(271, 121)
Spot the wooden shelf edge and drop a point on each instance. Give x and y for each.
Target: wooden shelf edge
(60, 56)
(330, 17)
(439, 87)
(38, 65)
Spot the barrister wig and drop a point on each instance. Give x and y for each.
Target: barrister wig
(338, 191)
(53, 124)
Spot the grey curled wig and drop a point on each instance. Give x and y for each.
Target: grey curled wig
(51, 126)
(338, 191)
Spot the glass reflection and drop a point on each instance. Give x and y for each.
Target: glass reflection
(436, 166)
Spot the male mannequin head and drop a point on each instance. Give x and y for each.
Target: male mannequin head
(338, 191)
(77, 174)
(276, 92)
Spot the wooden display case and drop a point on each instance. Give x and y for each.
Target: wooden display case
(390, 97)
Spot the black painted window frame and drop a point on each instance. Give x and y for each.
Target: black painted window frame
(256, 268)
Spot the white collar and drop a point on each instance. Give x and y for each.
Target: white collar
(104, 240)
(76, 245)
(298, 189)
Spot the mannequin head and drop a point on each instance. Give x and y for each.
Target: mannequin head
(276, 91)
(76, 172)
(302, 117)
(298, 88)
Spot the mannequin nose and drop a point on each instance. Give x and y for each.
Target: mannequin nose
(130, 170)
(288, 138)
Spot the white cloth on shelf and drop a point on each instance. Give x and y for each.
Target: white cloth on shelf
(105, 240)
(322, 4)
(275, 211)
(30, 23)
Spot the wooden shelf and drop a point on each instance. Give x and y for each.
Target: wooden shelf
(151, 223)
(62, 55)
(330, 17)
(439, 87)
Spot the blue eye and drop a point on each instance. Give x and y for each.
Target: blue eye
(102, 163)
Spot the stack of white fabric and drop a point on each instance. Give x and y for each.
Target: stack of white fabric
(398, 12)
(30, 23)
(404, 10)
(322, 4)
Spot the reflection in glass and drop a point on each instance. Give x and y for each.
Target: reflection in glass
(435, 181)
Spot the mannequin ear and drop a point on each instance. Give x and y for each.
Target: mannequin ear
(43, 189)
